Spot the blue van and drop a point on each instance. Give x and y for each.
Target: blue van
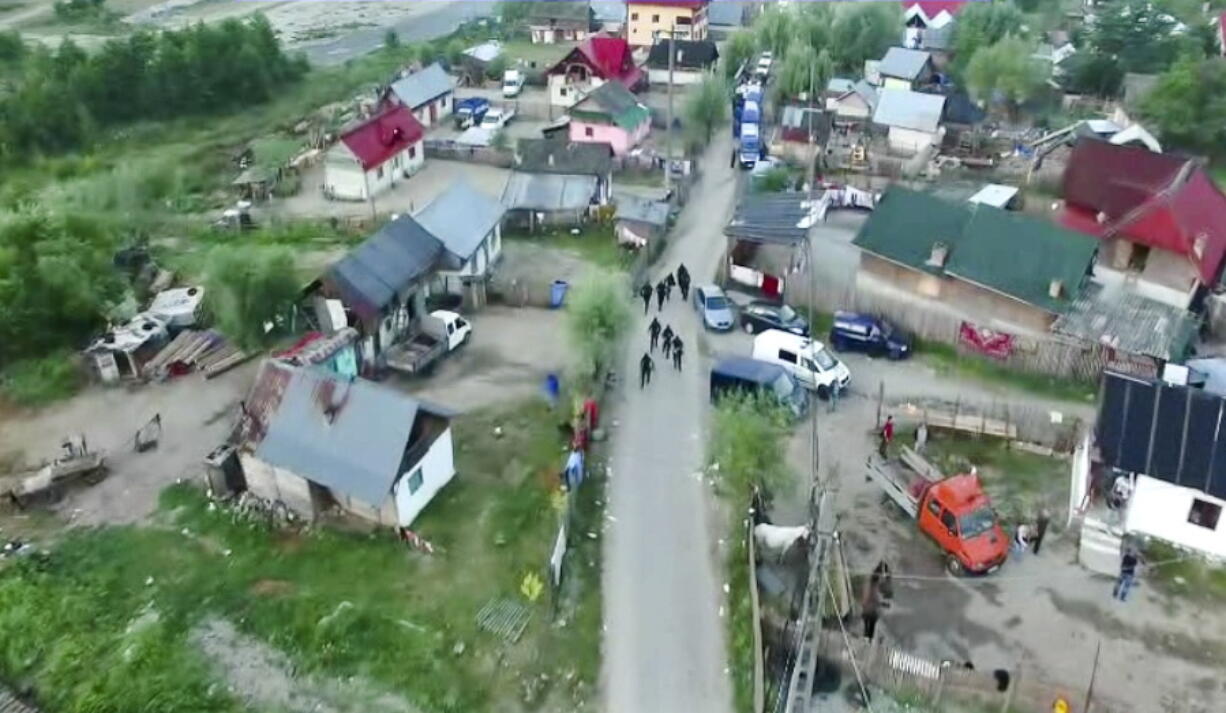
(853, 331)
(732, 374)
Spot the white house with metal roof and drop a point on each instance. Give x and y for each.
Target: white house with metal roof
(912, 118)
(313, 439)
(429, 94)
(469, 225)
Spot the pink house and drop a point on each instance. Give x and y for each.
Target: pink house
(610, 114)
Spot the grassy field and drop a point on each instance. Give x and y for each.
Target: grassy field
(594, 243)
(1019, 482)
(946, 360)
(1192, 578)
(126, 599)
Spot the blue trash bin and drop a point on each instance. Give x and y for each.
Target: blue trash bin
(557, 293)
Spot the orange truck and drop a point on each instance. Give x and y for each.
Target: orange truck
(953, 511)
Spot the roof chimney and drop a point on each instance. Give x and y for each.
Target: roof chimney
(1055, 289)
(940, 251)
(1101, 218)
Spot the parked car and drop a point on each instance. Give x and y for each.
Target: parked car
(751, 376)
(497, 118)
(760, 315)
(853, 331)
(470, 111)
(809, 361)
(512, 83)
(714, 307)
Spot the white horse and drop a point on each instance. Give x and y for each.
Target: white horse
(778, 539)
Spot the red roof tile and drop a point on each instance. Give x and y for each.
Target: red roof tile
(932, 8)
(382, 136)
(608, 58)
(1167, 202)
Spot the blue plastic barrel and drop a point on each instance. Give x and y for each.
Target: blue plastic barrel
(557, 293)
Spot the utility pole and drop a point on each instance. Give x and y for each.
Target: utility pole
(668, 150)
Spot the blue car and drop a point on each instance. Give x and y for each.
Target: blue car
(853, 331)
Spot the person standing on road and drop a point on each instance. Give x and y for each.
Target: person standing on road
(871, 599)
(669, 283)
(668, 340)
(661, 293)
(887, 436)
(683, 281)
(677, 349)
(1128, 574)
(646, 366)
(654, 330)
(645, 293)
(1040, 528)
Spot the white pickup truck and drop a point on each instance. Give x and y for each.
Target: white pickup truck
(497, 118)
(440, 332)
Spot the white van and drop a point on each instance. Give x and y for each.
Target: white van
(513, 82)
(810, 362)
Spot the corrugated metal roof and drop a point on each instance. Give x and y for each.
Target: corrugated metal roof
(564, 156)
(460, 217)
(1128, 322)
(782, 219)
(541, 191)
(903, 63)
(347, 435)
(420, 87)
(909, 110)
(373, 273)
(690, 54)
(642, 210)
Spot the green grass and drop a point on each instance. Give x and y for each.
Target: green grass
(594, 243)
(543, 55)
(946, 359)
(38, 382)
(1019, 482)
(1191, 578)
(492, 525)
(1219, 175)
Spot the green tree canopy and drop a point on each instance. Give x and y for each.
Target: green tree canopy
(1139, 36)
(803, 69)
(1092, 73)
(775, 29)
(863, 31)
(56, 282)
(1188, 106)
(1005, 72)
(739, 49)
(706, 108)
(248, 288)
(596, 317)
(749, 434)
(981, 24)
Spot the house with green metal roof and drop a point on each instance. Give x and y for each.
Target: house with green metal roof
(999, 267)
(610, 114)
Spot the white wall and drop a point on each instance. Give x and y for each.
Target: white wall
(443, 108)
(1160, 509)
(895, 83)
(1146, 288)
(272, 483)
(660, 76)
(849, 107)
(909, 141)
(437, 467)
(574, 92)
(343, 177)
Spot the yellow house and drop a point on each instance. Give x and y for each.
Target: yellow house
(647, 20)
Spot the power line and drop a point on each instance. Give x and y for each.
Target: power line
(855, 666)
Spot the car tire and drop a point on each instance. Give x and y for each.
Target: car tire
(953, 565)
(823, 392)
(749, 329)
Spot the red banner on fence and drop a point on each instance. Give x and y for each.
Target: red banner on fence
(989, 342)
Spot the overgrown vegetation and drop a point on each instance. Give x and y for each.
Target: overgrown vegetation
(749, 437)
(847, 34)
(42, 380)
(1175, 572)
(947, 360)
(1187, 106)
(340, 605)
(706, 109)
(1006, 73)
(597, 314)
(250, 290)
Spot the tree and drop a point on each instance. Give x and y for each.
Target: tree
(1005, 72)
(706, 109)
(749, 433)
(738, 51)
(1092, 73)
(1139, 36)
(803, 69)
(863, 31)
(455, 52)
(775, 29)
(497, 67)
(12, 47)
(597, 316)
(249, 288)
(981, 24)
(391, 39)
(814, 22)
(1188, 106)
(511, 12)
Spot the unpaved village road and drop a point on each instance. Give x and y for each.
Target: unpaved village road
(664, 638)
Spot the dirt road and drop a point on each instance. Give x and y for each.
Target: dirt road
(664, 638)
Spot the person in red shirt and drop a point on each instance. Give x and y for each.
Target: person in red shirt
(887, 435)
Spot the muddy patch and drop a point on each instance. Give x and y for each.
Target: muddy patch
(262, 677)
(272, 588)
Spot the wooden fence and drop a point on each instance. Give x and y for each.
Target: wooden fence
(1046, 429)
(451, 151)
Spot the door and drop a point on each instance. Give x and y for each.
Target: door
(433, 113)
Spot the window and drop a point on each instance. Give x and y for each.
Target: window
(787, 356)
(634, 16)
(396, 161)
(934, 508)
(947, 519)
(587, 131)
(1205, 514)
(1140, 255)
(655, 19)
(562, 91)
(379, 173)
(413, 151)
(415, 481)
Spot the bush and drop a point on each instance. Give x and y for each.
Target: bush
(598, 314)
(37, 382)
(250, 288)
(289, 185)
(775, 180)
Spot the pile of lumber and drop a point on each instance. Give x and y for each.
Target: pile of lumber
(206, 351)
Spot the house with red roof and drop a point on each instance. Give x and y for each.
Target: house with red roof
(930, 14)
(1161, 219)
(372, 156)
(596, 60)
(650, 20)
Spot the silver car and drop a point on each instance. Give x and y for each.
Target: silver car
(714, 307)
